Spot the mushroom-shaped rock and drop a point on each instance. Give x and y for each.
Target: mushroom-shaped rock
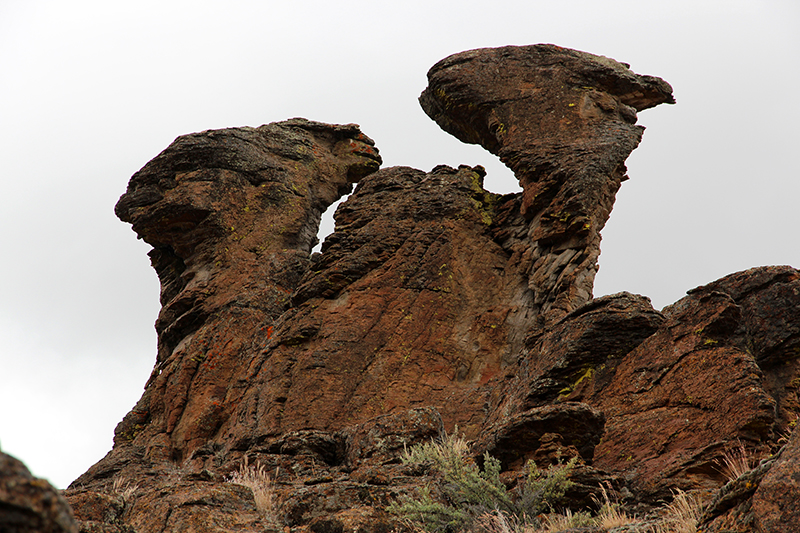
(564, 122)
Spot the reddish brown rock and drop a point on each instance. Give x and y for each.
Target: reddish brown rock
(776, 502)
(422, 298)
(29, 504)
(766, 499)
(435, 304)
(411, 304)
(232, 216)
(545, 434)
(721, 368)
(564, 122)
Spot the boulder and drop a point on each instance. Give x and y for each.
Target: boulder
(29, 504)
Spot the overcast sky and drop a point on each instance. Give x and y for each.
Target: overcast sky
(92, 90)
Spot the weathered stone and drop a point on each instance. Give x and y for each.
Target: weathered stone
(545, 434)
(776, 502)
(383, 439)
(764, 499)
(232, 228)
(589, 342)
(29, 504)
(564, 122)
(680, 399)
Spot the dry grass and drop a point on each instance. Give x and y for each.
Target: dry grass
(123, 488)
(610, 515)
(258, 481)
(559, 522)
(444, 451)
(682, 514)
(736, 461)
(497, 522)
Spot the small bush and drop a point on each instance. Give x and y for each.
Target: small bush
(469, 493)
(470, 499)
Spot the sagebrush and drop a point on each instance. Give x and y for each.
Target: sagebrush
(469, 498)
(467, 493)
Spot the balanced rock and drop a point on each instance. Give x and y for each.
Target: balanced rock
(565, 122)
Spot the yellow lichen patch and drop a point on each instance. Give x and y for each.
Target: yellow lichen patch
(587, 373)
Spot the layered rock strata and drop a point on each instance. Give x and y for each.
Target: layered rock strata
(434, 305)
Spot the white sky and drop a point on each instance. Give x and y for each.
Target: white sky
(92, 90)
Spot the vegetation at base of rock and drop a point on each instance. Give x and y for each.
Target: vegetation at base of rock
(468, 498)
(682, 515)
(467, 493)
(736, 462)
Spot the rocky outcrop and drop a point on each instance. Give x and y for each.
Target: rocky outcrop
(700, 384)
(31, 505)
(434, 305)
(677, 388)
(232, 216)
(565, 122)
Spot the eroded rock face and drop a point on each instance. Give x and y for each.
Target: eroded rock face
(565, 122)
(232, 216)
(699, 384)
(434, 304)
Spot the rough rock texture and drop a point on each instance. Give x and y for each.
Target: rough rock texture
(31, 505)
(677, 388)
(564, 122)
(434, 305)
(765, 499)
(232, 216)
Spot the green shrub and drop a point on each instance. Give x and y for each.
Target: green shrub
(468, 492)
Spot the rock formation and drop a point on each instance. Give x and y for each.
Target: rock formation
(435, 304)
(565, 122)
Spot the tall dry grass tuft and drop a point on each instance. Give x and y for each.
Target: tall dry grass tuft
(124, 489)
(552, 523)
(497, 522)
(610, 515)
(682, 515)
(736, 461)
(258, 481)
